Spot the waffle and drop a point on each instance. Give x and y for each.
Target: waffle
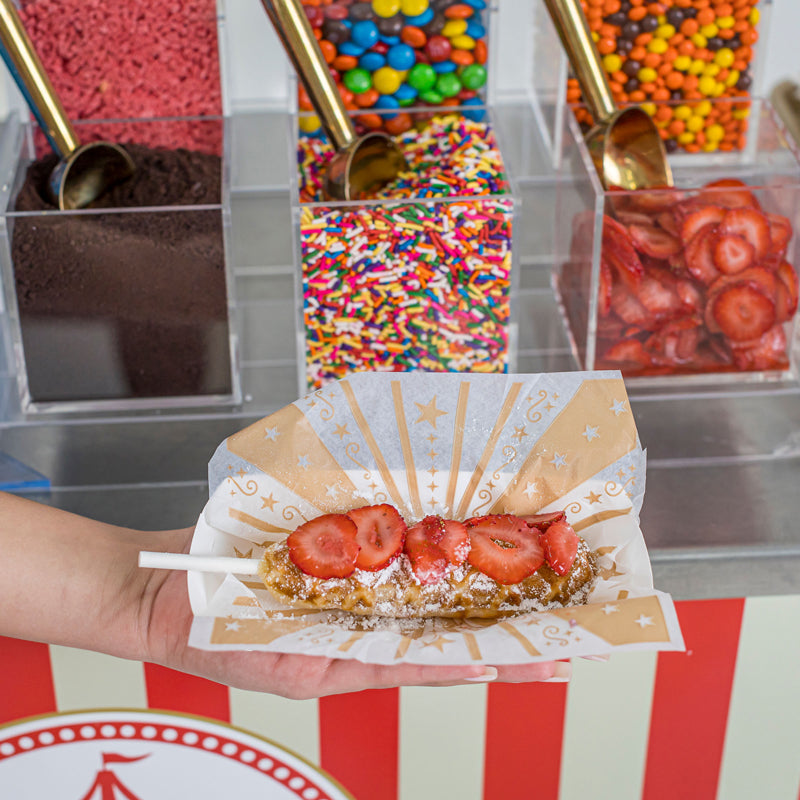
(395, 592)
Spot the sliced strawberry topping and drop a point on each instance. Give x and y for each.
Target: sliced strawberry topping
(694, 221)
(658, 295)
(448, 535)
(605, 286)
(428, 560)
(560, 544)
(676, 342)
(380, 532)
(628, 353)
(620, 253)
(628, 308)
(768, 352)
(732, 253)
(542, 521)
(780, 232)
(504, 548)
(700, 255)
(751, 225)
(730, 193)
(654, 241)
(325, 546)
(788, 290)
(743, 311)
(666, 219)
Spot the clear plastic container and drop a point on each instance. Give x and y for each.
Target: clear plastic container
(122, 307)
(684, 285)
(411, 281)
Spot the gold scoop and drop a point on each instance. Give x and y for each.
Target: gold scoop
(361, 165)
(84, 172)
(625, 144)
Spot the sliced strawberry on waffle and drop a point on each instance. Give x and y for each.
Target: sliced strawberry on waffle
(428, 560)
(742, 310)
(543, 521)
(560, 546)
(504, 548)
(380, 533)
(325, 546)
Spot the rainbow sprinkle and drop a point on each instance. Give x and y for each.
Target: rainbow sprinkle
(422, 285)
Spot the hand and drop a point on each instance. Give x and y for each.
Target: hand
(298, 676)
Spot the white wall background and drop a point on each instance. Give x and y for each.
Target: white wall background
(257, 69)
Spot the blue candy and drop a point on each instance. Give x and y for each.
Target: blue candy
(421, 19)
(365, 33)
(390, 40)
(401, 57)
(386, 101)
(475, 30)
(479, 113)
(405, 92)
(351, 49)
(479, 4)
(444, 66)
(372, 61)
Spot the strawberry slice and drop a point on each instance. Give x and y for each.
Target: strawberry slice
(768, 352)
(380, 533)
(751, 225)
(428, 560)
(654, 241)
(658, 295)
(605, 284)
(543, 521)
(560, 544)
(628, 308)
(732, 253)
(780, 233)
(657, 198)
(730, 193)
(325, 546)
(696, 220)
(700, 254)
(789, 283)
(743, 311)
(620, 253)
(504, 548)
(676, 342)
(628, 355)
(449, 535)
(666, 219)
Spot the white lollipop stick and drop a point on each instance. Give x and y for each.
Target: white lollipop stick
(236, 566)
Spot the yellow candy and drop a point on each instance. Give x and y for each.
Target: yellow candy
(595, 37)
(682, 112)
(646, 74)
(682, 63)
(709, 31)
(454, 27)
(724, 57)
(686, 137)
(463, 42)
(695, 124)
(699, 40)
(309, 123)
(649, 108)
(710, 147)
(703, 108)
(719, 89)
(725, 22)
(386, 80)
(386, 8)
(665, 31)
(715, 133)
(658, 46)
(612, 62)
(733, 78)
(741, 113)
(712, 70)
(697, 66)
(707, 85)
(755, 16)
(413, 8)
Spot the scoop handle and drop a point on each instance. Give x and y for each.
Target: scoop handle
(291, 24)
(573, 30)
(28, 73)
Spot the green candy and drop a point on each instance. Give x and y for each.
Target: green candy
(357, 80)
(422, 77)
(448, 84)
(432, 97)
(473, 76)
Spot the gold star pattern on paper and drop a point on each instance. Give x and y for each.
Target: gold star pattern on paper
(519, 433)
(548, 406)
(240, 554)
(341, 431)
(593, 498)
(609, 572)
(433, 486)
(432, 471)
(429, 413)
(439, 642)
(268, 502)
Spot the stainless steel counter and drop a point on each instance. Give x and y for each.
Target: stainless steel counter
(723, 483)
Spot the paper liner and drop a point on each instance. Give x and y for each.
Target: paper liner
(452, 444)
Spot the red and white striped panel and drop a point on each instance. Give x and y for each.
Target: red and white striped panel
(718, 722)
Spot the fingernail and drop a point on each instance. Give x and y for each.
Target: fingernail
(489, 674)
(562, 672)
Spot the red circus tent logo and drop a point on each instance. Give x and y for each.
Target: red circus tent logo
(107, 786)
